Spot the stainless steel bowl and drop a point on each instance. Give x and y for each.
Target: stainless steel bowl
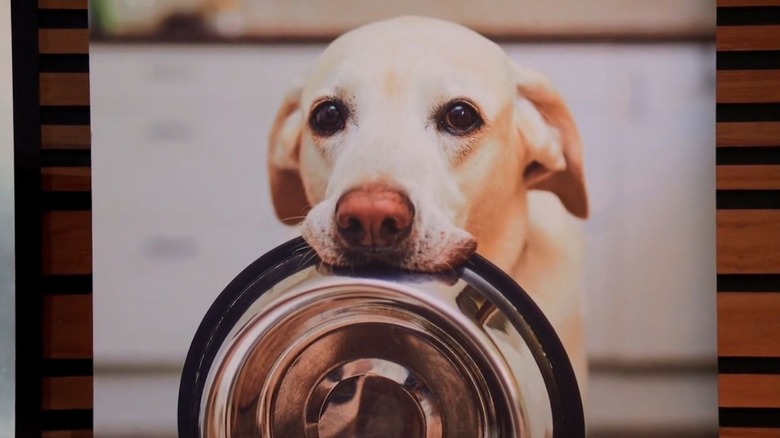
(294, 349)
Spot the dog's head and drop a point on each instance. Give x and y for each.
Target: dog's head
(410, 137)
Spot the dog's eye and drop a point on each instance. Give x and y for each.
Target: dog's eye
(328, 117)
(459, 118)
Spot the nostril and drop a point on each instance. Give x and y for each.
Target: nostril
(353, 225)
(390, 226)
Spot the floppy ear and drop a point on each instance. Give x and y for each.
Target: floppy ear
(554, 141)
(284, 144)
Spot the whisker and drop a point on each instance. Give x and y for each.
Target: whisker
(303, 246)
(311, 255)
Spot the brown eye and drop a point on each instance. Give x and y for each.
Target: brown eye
(328, 117)
(460, 118)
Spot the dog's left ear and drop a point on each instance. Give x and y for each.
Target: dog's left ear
(284, 144)
(548, 128)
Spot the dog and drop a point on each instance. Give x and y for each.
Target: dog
(413, 141)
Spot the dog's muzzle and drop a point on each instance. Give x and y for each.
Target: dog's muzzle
(291, 350)
(374, 217)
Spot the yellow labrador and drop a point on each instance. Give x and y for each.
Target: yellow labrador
(414, 140)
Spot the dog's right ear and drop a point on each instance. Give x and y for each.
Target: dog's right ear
(553, 140)
(284, 144)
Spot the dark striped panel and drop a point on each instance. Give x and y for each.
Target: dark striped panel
(67, 367)
(63, 19)
(54, 311)
(747, 112)
(748, 155)
(756, 60)
(67, 201)
(747, 199)
(748, 16)
(67, 419)
(66, 284)
(66, 158)
(65, 115)
(748, 203)
(749, 417)
(64, 63)
(748, 282)
(749, 365)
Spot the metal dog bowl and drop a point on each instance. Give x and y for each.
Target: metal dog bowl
(292, 350)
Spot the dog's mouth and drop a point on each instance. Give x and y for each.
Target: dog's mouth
(420, 247)
(414, 255)
(372, 255)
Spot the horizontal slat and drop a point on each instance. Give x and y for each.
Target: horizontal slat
(743, 86)
(63, 41)
(67, 326)
(748, 432)
(68, 434)
(66, 179)
(744, 155)
(748, 177)
(67, 393)
(67, 242)
(748, 241)
(62, 4)
(748, 282)
(749, 365)
(748, 37)
(64, 88)
(67, 368)
(65, 137)
(748, 391)
(727, 3)
(748, 324)
(748, 134)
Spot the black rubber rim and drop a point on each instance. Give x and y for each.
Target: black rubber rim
(295, 255)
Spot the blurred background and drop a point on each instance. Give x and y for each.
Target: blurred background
(183, 95)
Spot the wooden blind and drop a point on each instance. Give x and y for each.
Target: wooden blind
(54, 224)
(748, 217)
(66, 218)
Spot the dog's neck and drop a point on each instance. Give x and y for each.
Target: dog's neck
(531, 238)
(504, 239)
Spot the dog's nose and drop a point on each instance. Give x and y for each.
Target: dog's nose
(374, 216)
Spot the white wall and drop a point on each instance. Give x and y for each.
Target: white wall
(7, 255)
(181, 205)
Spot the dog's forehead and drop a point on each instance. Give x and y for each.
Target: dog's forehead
(411, 49)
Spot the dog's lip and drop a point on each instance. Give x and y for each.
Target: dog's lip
(369, 254)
